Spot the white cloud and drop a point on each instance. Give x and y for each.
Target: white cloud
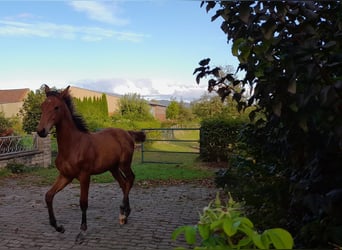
(62, 31)
(106, 12)
(148, 88)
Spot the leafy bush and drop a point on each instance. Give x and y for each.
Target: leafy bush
(18, 168)
(223, 226)
(218, 138)
(5, 123)
(260, 185)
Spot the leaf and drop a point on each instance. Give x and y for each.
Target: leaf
(236, 82)
(218, 13)
(177, 232)
(211, 83)
(268, 29)
(277, 109)
(210, 5)
(244, 12)
(216, 224)
(245, 221)
(198, 70)
(237, 97)
(190, 235)
(217, 200)
(216, 72)
(228, 227)
(204, 62)
(245, 52)
(204, 231)
(244, 242)
(280, 238)
(199, 76)
(303, 124)
(251, 115)
(236, 46)
(292, 88)
(258, 242)
(293, 107)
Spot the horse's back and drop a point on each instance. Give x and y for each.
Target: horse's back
(114, 139)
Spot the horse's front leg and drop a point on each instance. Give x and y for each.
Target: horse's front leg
(84, 181)
(59, 184)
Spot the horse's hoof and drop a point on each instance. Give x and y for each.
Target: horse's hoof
(80, 238)
(60, 229)
(122, 219)
(84, 227)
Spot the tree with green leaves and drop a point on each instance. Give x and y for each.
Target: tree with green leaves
(94, 110)
(207, 106)
(132, 106)
(172, 110)
(30, 111)
(291, 54)
(5, 123)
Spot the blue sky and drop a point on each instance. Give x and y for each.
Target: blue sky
(145, 47)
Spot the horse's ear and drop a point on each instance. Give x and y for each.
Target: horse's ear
(65, 92)
(46, 88)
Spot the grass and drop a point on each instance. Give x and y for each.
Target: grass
(191, 170)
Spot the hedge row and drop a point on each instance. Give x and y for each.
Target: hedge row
(218, 138)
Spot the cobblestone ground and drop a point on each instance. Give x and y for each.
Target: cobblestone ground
(156, 212)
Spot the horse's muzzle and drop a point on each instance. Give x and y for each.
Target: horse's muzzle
(42, 133)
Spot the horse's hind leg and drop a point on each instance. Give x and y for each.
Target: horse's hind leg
(59, 184)
(125, 176)
(84, 181)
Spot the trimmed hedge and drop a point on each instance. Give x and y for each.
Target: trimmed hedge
(218, 138)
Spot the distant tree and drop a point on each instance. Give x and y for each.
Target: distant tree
(207, 106)
(132, 106)
(5, 123)
(172, 110)
(185, 114)
(30, 111)
(94, 110)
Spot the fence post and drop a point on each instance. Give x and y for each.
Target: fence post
(44, 145)
(142, 150)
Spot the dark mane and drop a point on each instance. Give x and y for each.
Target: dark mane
(78, 119)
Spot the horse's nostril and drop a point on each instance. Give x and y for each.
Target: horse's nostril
(42, 133)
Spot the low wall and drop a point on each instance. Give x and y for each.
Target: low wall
(40, 157)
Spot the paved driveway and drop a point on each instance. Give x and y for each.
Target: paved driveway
(156, 212)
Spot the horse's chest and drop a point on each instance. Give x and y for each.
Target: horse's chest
(68, 168)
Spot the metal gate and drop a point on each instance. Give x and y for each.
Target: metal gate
(170, 145)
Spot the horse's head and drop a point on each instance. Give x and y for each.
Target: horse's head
(53, 109)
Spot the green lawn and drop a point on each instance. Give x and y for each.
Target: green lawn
(191, 170)
(185, 167)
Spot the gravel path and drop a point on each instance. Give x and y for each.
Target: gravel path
(156, 212)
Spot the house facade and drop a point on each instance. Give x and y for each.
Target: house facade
(12, 100)
(112, 100)
(158, 111)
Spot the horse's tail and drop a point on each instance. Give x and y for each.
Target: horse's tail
(138, 136)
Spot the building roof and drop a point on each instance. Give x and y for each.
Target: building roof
(13, 95)
(153, 103)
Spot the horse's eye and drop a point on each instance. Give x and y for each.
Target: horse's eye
(56, 108)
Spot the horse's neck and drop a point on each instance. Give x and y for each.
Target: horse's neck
(67, 136)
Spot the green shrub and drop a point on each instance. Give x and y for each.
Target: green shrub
(261, 184)
(16, 168)
(223, 226)
(218, 138)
